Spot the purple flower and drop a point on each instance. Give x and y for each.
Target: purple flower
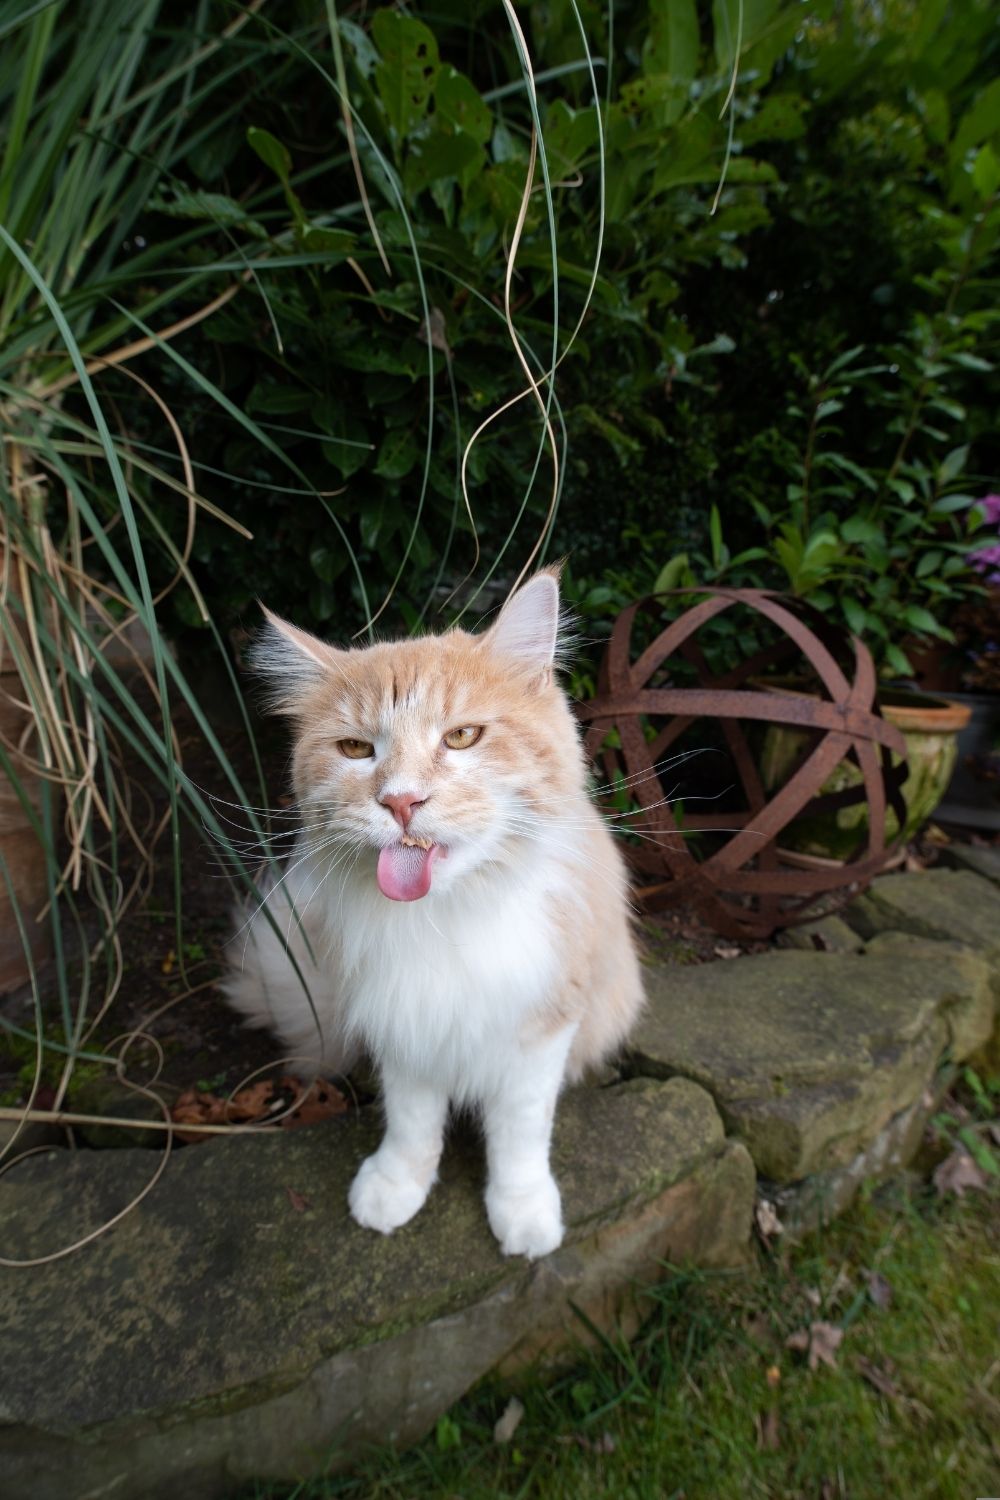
(990, 506)
(987, 559)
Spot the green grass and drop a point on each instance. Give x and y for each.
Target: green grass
(682, 1411)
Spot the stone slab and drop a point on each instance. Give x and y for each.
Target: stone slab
(806, 1205)
(826, 935)
(981, 859)
(223, 1331)
(809, 1055)
(935, 903)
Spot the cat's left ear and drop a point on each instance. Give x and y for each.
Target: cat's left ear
(528, 625)
(290, 661)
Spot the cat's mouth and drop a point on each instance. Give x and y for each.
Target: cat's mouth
(404, 870)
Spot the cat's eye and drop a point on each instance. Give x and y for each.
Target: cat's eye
(356, 749)
(463, 739)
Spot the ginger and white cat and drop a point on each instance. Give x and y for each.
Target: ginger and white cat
(454, 902)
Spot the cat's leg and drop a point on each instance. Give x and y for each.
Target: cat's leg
(393, 1184)
(522, 1199)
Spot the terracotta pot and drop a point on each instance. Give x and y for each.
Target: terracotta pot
(930, 727)
(23, 854)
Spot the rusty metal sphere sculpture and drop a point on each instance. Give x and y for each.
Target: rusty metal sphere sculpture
(748, 883)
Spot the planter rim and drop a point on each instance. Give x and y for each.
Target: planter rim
(929, 713)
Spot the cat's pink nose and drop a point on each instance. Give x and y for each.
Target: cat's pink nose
(401, 805)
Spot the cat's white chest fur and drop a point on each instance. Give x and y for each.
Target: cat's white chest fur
(444, 986)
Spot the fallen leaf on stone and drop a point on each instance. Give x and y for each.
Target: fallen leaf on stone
(820, 1342)
(256, 1105)
(322, 1101)
(957, 1173)
(768, 1431)
(879, 1289)
(766, 1219)
(297, 1201)
(510, 1420)
(878, 1376)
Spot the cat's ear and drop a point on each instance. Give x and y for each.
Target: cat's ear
(290, 660)
(528, 625)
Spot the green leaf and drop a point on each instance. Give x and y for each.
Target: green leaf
(972, 361)
(447, 1434)
(952, 465)
(929, 562)
(981, 120)
(921, 619)
(898, 660)
(715, 533)
(857, 529)
(397, 455)
(407, 74)
(986, 171)
(326, 563)
(674, 574)
(855, 615)
(781, 118)
(948, 504)
(847, 466)
(440, 156)
(671, 50)
(271, 152)
(337, 244)
(457, 100)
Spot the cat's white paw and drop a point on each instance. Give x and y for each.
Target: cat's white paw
(526, 1223)
(383, 1201)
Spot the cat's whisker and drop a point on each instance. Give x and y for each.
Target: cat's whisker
(277, 886)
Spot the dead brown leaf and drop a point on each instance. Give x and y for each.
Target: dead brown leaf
(257, 1104)
(957, 1173)
(820, 1342)
(297, 1201)
(879, 1376)
(321, 1103)
(879, 1289)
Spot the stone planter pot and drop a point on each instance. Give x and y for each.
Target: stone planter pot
(972, 798)
(22, 854)
(930, 727)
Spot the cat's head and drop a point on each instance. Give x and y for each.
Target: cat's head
(432, 757)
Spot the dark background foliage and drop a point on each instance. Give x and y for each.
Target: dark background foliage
(706, 429)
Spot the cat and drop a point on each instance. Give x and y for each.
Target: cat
(453, 900)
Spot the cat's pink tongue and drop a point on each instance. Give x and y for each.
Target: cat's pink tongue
(404, 871)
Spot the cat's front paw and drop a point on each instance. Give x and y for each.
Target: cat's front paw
(527, 1222)
(382, 1199)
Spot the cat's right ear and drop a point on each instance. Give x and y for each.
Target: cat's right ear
(290, 661)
